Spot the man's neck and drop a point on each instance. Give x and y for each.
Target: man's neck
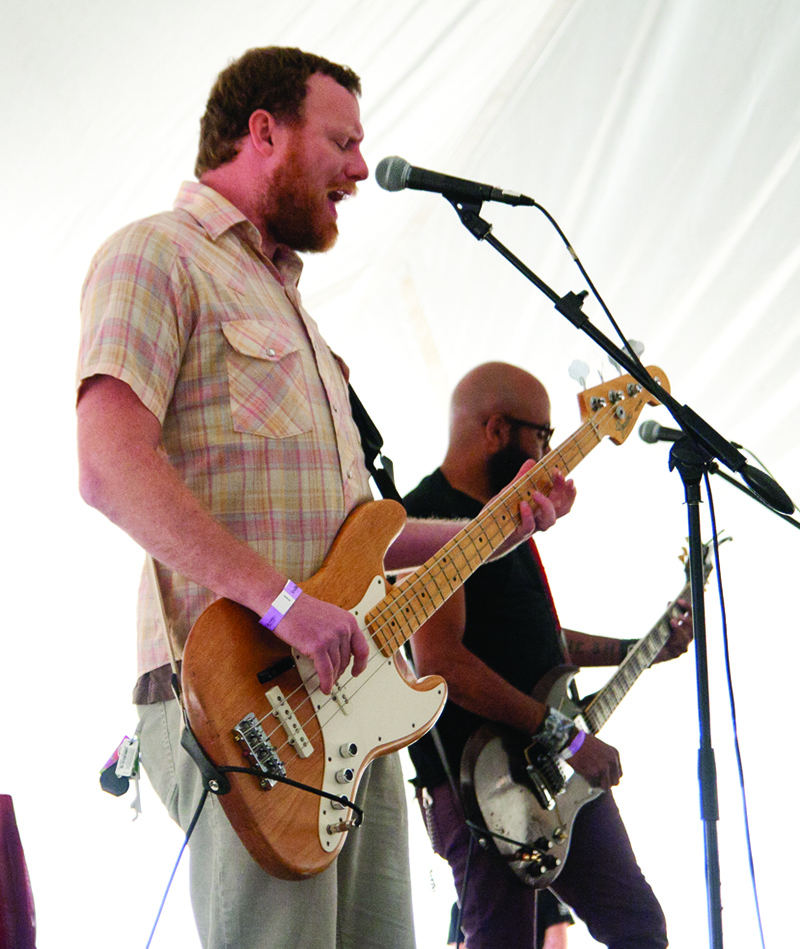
(241, 197)
(466, 479)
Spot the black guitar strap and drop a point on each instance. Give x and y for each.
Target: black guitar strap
(371, 443)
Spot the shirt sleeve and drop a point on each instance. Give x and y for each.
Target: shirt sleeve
(135, 314)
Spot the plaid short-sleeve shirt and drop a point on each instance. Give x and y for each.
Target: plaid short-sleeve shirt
(254, 407)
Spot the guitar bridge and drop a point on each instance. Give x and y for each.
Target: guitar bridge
(547, 775)
(259, 749)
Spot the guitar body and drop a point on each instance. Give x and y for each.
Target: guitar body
(532, 804)
(527, 799)
(232, 664)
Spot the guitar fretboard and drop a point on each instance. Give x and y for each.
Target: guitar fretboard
(411, 602)
(640, 657)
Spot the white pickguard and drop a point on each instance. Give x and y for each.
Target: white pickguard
(373, 710)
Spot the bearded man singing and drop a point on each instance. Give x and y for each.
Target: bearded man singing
(214, 427)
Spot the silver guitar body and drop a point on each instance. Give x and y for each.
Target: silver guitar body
(526, 801)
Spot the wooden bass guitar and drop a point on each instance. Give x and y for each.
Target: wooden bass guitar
(526, 799)
(253, 701)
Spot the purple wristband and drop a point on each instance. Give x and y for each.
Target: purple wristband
(281, 605)
(574, 746)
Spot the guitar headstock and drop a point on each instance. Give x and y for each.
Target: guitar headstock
(708, 557)
(615, 406)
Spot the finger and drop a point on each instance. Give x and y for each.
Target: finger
(545, 512)
(571, 493)
(526, 467)
(527, 519)
(360, 649)
(339, 654)
(563, 494)
(324, 669)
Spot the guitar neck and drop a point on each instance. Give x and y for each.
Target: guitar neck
(639, 658)
(411, 602)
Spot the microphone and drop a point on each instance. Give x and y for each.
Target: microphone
(394, 174)
(651, 432)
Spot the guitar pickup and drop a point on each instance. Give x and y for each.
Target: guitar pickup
(259, 749)
(541, 791)
(285, 715)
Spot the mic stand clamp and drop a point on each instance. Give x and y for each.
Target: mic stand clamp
(470, 215)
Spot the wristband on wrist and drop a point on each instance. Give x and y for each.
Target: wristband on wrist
(555, 731)
(281, 605)
(574, 746)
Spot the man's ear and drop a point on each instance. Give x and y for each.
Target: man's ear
(496, 432)
(262, 126)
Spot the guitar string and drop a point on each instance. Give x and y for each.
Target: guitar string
(359, 681)
(547, 465)
(600, 709)
(378, 621)
(380, 655)
(512, 492)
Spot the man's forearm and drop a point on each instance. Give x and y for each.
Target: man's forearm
(125, 476)
(587, 650)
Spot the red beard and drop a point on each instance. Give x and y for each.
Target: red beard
(295, 213)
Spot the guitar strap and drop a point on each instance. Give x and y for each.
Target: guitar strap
(371, 443)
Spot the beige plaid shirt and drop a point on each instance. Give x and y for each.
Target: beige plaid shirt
(213, 338)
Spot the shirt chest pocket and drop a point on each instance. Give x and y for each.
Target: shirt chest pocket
(267, 388)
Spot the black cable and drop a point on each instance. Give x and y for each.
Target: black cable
(495, 835)
(274, 776)
(464, 882)
(634, 356)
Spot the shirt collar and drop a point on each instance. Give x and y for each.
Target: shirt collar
(216, 215)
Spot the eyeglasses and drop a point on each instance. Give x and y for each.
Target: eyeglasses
(544, 431)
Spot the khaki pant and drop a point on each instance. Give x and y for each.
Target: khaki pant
(362, 901)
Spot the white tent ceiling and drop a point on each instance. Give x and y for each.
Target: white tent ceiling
(664, 137)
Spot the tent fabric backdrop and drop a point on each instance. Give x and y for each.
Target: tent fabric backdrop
(664, 136)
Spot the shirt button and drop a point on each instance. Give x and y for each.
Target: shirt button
(270, 352)
(350, 475)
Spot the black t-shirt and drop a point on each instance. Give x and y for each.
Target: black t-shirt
(510, 626)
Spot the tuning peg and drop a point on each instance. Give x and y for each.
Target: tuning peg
(634, 345)
(579, 371)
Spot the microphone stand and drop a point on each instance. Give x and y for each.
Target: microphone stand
(691, 455)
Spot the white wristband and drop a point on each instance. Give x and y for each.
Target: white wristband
(281, 605)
